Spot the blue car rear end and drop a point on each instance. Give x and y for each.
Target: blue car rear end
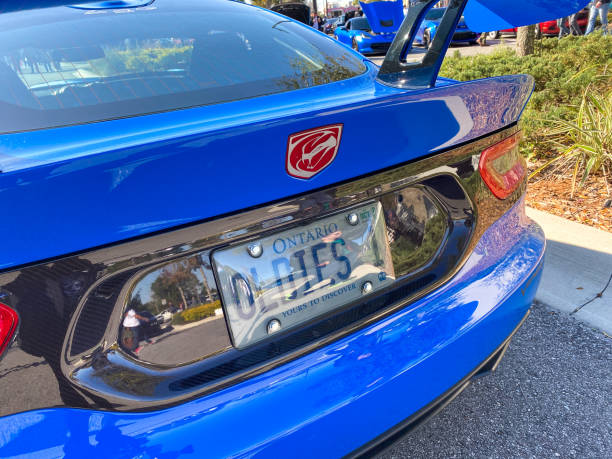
(138, 153)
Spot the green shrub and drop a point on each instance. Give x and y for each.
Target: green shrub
(586, 141)
(562, 70)
(197, 313)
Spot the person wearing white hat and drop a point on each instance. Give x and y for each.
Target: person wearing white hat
(131, 330)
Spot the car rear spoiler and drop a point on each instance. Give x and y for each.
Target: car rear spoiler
(409, 68)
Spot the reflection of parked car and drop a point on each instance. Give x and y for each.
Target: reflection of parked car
(151, 327)
(166, 314)
(429, 27)
(547, 28)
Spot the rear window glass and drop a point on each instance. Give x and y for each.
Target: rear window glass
(360, 24)
(65, 66)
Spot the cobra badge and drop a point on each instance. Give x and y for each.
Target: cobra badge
(311, 151)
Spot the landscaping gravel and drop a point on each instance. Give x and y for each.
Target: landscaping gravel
(551, 396)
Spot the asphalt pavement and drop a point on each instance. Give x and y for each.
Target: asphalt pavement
(465, 50)
(550, 397)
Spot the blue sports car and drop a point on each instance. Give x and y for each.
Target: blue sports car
(358, 34)
(206, 250)
(429, 27)
(374, 32)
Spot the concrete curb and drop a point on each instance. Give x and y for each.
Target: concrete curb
(577, 271)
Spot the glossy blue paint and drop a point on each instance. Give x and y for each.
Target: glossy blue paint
(384, 16)
(482, 15)
(112, 4)
(109, 181)
(333, 400)
(490, 15)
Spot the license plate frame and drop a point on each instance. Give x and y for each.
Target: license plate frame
(311, 284)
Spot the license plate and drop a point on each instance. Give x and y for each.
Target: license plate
(303, 272)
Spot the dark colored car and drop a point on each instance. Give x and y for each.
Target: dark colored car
(151, 327)
(298, 11)
(347, 243)
(429, 27)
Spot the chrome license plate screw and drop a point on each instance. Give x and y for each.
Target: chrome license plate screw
(255, 250)
(366, 287)
(273, 326)
(352, 218)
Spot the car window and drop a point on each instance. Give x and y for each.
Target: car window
(73, 66)
(360, 24)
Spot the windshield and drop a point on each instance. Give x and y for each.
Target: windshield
(360, 24)
(64, 66)
(435, 13)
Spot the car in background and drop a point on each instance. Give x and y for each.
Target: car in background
(429, 27)
(375, 30)
(165, 317)
(546, 28)
(329, 26)
(358, 34)
(298, 11)
(151, 326)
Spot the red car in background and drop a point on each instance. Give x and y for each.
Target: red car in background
(547, 28)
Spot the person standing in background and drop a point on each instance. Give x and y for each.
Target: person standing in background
(574, 28)
(563, 30)
(601, 7)
(315, 22)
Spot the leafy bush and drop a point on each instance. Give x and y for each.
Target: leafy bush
(198, 313)
(586, 141)
(562, 70)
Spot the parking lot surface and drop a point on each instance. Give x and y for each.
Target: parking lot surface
(465, 50)
(550, 397)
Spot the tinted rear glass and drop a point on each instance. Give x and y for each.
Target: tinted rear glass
(64, 66)
(360, 24)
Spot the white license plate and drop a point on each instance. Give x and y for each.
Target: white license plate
(302, 273)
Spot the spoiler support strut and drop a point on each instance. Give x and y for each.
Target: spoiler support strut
(398, 69)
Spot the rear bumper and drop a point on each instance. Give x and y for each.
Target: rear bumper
(464, 36)
(337, 398)
(401, 430)
(369, 47)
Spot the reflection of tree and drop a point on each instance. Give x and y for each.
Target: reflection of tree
(307, 75)
(136, 302)
(415, 229)
(176, 284)
(141, 59)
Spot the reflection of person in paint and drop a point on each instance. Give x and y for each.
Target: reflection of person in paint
(131, 330)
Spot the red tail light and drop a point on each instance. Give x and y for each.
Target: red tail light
(8, 324)
(502, 167)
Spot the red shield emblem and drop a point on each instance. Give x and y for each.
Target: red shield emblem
(311, 151)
